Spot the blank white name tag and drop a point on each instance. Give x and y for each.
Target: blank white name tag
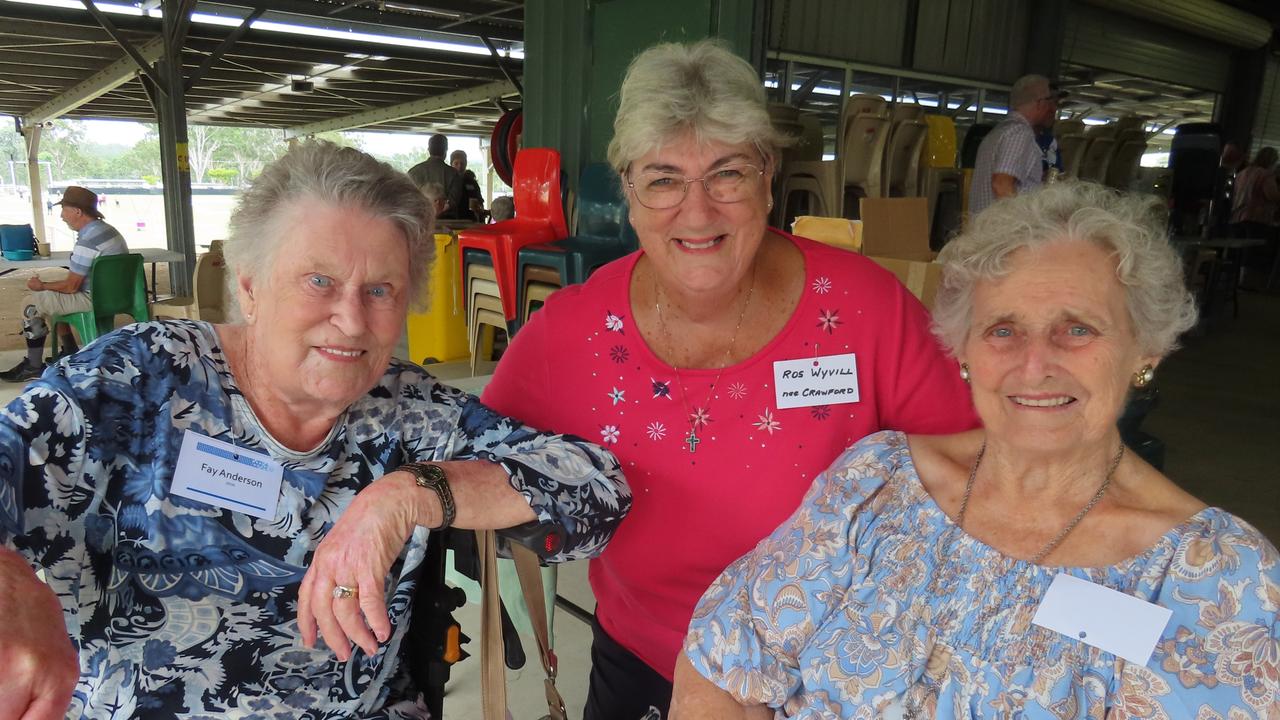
(1123, 625)
(218, 473)
(828, 380)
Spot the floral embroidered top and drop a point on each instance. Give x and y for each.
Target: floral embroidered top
(182, 609)
(836, 614)
(580, 366)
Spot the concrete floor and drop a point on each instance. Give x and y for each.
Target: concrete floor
(1217, 416)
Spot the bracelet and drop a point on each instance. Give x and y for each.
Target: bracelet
(433, 478)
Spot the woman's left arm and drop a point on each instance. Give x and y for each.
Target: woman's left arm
(500, 474)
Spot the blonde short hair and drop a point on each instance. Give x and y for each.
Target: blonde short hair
(701, 87)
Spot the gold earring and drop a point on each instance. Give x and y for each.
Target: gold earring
(1143, 377)
(964, 372)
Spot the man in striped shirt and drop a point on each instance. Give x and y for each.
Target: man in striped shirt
(94, 237)
(1010, 160)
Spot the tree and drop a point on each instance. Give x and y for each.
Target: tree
(250, 149)
(60, 147)
(202, 142)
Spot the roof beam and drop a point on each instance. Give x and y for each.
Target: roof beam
(100, 83)
(457, 98)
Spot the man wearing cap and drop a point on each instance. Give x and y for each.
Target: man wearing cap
(1010, 160)
(94, 237)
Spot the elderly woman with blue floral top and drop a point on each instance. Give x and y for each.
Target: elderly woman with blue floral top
(207, 499)
(1029, 569)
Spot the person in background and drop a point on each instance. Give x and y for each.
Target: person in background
(434, 169)
(1257, 196)
(232, 518)
(1033, 568)
(94, 237)
(465, 197)
(1009, 159)
(502, 208)
(672, 358)
(434, 192)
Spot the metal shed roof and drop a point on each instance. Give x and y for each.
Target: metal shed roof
(408, 66)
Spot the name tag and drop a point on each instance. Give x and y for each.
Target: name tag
(220, 474)
(829, 380)
(1109, 620)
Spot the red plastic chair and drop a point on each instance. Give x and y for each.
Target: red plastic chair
(539, 219)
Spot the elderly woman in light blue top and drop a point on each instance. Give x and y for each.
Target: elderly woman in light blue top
(1032, 568)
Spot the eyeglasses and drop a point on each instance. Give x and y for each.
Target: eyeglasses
(662, 190)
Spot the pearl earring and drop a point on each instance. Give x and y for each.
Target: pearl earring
(1143, 377)
(964, 372)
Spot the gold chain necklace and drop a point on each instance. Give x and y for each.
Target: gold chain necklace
(692, 438)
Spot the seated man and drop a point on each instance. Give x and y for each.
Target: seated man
(94, 237)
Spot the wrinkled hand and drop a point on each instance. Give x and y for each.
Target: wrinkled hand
(357, 553)
(39, 662)
(35, 283)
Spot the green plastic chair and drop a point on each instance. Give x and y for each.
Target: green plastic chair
(116, 285)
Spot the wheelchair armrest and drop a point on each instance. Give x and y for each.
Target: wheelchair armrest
(544, 539)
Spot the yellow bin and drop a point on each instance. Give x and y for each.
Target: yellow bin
(440, 333)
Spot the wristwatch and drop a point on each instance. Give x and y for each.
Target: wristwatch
(433, 478)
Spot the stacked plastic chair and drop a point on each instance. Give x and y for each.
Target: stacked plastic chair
(907, 134)
(812, 187)
(864, 130)
(602, 234)
(940, 181)
(539, 219)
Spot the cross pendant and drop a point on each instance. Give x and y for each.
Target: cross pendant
(692, 440)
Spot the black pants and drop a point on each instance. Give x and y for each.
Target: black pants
(623, 687)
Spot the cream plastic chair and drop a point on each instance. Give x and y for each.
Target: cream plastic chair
(1125, 161)
(906, 111)
(902, 159)
(819, 181)
(210, 287)
(862, 154)
(810, 146)
(1097, 155)
(1071, 148)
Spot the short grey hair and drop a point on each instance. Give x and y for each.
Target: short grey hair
(433, 191)
(701, 87)
(502, 208)
(328, 173)
(1132, 226)
(1028, 89)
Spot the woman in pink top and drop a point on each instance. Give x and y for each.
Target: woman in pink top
(725, 363)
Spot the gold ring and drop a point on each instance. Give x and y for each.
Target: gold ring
(341, 592)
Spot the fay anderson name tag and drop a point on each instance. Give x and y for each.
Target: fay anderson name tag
(218, 473)
(827, 380)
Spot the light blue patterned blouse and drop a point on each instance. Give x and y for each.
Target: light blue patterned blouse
(180, 609)
(836, 615)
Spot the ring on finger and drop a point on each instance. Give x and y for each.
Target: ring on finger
(341, 592)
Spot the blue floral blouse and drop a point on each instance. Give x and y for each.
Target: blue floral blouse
(180, 609)
(837, 614)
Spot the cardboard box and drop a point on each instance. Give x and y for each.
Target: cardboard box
(896, 228)
(921, 278)
(839, 232)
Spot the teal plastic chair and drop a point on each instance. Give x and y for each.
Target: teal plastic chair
(603, 232)
(116, 286)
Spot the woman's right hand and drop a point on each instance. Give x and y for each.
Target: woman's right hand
(39, 661)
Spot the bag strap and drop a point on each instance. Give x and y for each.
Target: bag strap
(493, 675)
(493, 687)
(530, 572)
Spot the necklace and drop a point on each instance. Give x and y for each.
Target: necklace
(692, 438)
(1057, 540)
(914, 703)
